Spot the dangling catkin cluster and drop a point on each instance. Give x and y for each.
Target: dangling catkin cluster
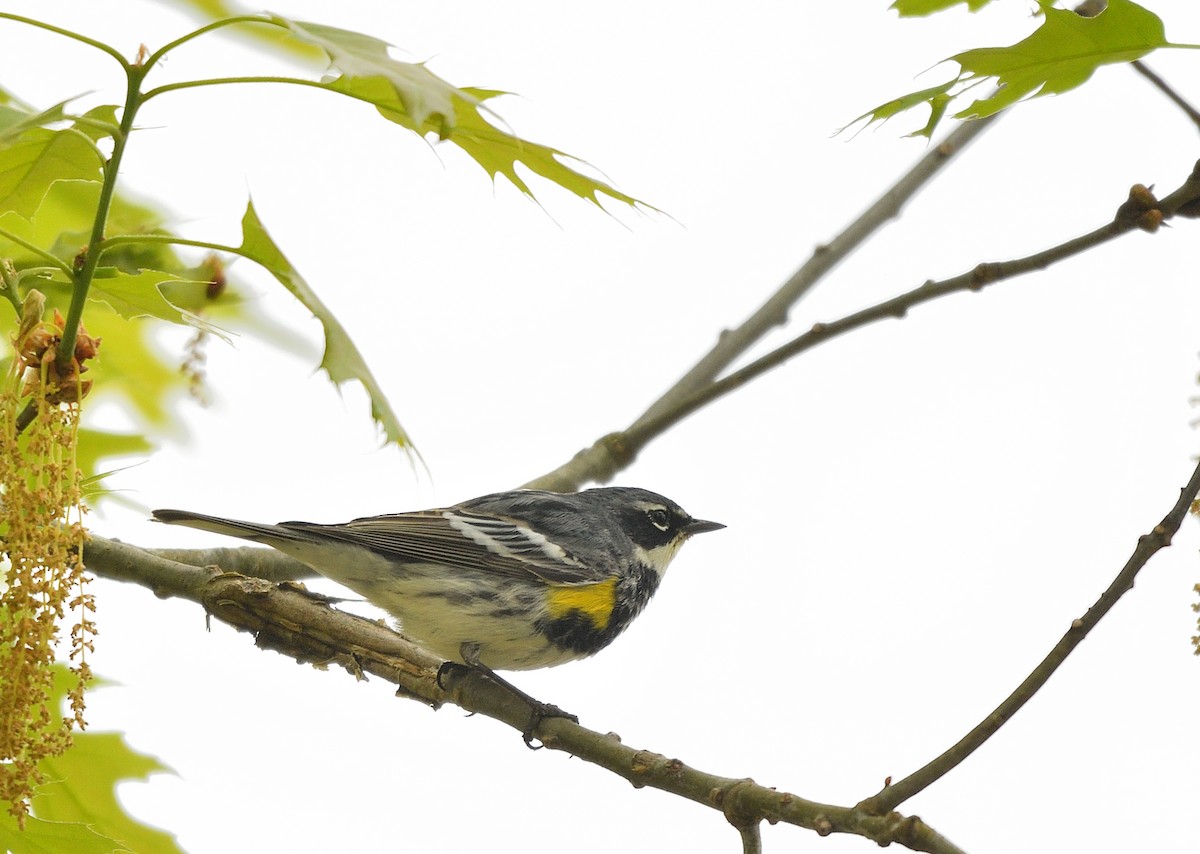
(41, 535)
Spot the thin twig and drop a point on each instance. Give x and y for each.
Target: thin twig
(612, 452)
(774, 312)
(601, 461)
(1148, 545)
(1164, 87)
(751, 839)
(298, 624)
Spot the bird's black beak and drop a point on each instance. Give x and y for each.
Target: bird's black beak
(699, 526)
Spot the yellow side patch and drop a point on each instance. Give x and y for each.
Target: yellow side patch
(595, 601)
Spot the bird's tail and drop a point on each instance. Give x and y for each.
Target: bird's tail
(255, 531)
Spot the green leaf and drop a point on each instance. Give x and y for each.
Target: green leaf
(83, 788)
(920, 8)
(931, 96)
(37, 158)
(360, 57)
(14, 122)
(141, 294)
(498, 152)
(1061, 54)
(937, 109)
(52, 837)
(98, 445)
(341, 360)
(98, 122)
(412, 96)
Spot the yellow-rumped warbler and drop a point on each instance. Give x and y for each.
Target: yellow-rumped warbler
(510, 581)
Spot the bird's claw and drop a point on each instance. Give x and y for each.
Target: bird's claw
(539, 712)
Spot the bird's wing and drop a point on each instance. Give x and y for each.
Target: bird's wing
(458, 538)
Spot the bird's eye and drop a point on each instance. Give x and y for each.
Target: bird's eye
(660, 518)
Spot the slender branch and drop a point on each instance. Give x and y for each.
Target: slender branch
(36, 250)
(612, 452)
(119, 239)
(774, 312)
(299, 624)
(8, 276)
(89, 142)
(155, 57)
(1164, 87)
(1148, 545)
(42, 25)
(751, 839)
(221, 81)
(83, 277)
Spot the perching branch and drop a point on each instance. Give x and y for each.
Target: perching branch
(301, 625)
(1148, 545)
(266, 564)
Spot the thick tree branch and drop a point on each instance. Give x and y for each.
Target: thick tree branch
(1148, 545)
(258, 562)
(292, 621)
(612, 452)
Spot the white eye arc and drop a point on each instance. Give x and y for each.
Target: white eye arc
(659, 518)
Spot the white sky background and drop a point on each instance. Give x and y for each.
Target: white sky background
(916, 511)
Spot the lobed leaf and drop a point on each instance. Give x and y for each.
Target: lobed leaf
(36, 158)
(96, 446)
(78, 809)
(1061, 54)
(921, 8)
(932, 95)
(359, 57)
(13, 121)
(498, 152)
(412, 96)
(341, 359)
(142, 294)
(52, 837)
(82, 788)
(494, 149)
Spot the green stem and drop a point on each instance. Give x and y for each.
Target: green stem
(220, 81)
(207, 28)
(36, 250)
(83, 278)
(111, 51)
(120, 239)
(87, 140)
(9, 276)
